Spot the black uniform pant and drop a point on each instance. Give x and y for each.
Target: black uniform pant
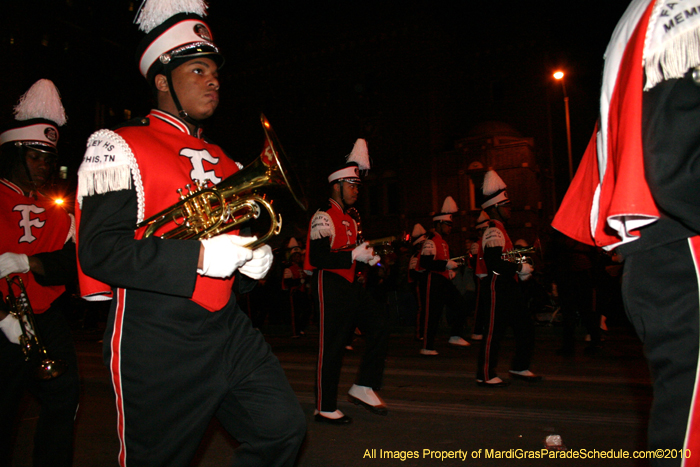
(175, 365)
(660, 290)
(299, 310)
(437, 292)
(576, 293)
(53, 439)
(344, 306)
(504, 306)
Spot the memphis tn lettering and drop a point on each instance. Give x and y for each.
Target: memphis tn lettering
(677, 14)
(97, 158)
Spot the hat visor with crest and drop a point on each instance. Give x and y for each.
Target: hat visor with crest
(180, 38)
(349, 173)
(39, 134)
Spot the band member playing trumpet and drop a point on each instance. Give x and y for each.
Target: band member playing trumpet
(501, 297)
(37, 245)
(343, 303)
(436, 287)
(178, 347)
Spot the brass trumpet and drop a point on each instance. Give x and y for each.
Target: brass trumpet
(519, 255)
(18, 306)
(205, 212)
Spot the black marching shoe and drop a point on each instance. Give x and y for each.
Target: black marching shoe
(375, 409)
(344, 420)
(500, 384)
(529, 376)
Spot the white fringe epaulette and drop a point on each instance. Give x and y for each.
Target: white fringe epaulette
(321, 226)
(493, 237)
(154, 12)
(42, 100)
(429, 248)
(671, 47)
(109, 165)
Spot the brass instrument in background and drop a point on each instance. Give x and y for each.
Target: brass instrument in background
(461, 260)
(205, 212)
(18, 306)
(519, 255)
(381, 246)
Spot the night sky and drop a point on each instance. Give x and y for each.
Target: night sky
(411, 76)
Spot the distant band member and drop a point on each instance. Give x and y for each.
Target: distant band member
(436, 287)
(502, 297)
(343, 302)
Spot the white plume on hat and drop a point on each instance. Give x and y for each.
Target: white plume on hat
(360, 155)
(492, 183)
(154, 12)
(494, 189)
(418, 234)
(449, 207)
(418, 230)
(482, 220)
(42, 100)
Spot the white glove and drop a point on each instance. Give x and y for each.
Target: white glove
(257, 267)
(363, 253)
(223, 255)
(13, 263)
(375, 259)
(451, 265)
(11, 328)
(525, 272)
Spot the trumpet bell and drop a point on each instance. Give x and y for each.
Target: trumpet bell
(241, 197)
(49, 369)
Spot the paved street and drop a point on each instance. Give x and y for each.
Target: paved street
(593, 402)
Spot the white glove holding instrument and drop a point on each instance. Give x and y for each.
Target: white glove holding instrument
(11, 328)
(224, 254)
(451, 265)
(261, 262)
(525, 272)
(375, 259)
(363, 253)
(13, 263)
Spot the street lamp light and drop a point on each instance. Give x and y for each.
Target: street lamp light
(559, 75)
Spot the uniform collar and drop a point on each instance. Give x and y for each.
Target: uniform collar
(13, 186)
(175, 122)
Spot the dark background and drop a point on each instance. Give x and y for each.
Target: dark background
(409, 76)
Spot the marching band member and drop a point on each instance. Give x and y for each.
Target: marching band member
(436, 286)
(502, 298)
(178, 347)
(295, 287)
(418, 236)
(636, 190)
(37, 243)
(343, 303)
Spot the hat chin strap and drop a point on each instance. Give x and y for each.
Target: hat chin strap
(182, 113)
